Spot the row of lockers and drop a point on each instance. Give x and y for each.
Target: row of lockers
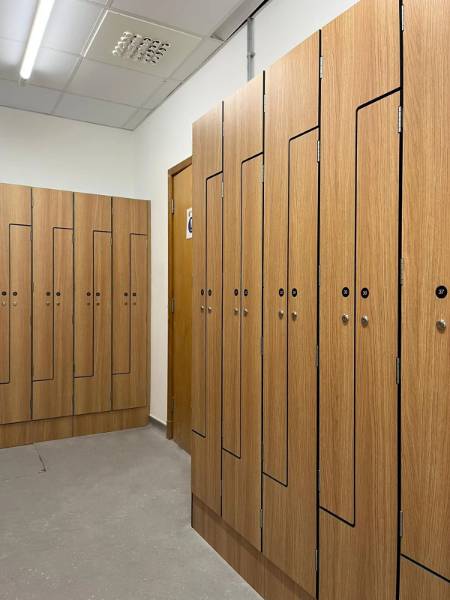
(73, 308)
(321, 372)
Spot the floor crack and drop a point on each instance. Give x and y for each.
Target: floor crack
(44, 466)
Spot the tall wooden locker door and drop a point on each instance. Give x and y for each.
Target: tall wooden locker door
(207, 308)
(130, 303)
(290, 314)
(93, 287)
(425, 404)
(360, 154)
(15, 303)
(52, 303)
(242, 310)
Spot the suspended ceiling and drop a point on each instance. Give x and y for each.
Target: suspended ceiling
(77, 76)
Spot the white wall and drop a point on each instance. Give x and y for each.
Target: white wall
(164, 139)
(45, 151)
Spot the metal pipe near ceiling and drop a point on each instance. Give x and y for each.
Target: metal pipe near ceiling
(250, 48)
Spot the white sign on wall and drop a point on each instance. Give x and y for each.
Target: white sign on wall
(189, 223)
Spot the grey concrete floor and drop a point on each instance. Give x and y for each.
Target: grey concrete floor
(105, 517)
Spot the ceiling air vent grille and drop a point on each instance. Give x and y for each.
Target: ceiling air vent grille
(132, 46)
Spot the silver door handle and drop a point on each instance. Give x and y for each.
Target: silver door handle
(364, 320)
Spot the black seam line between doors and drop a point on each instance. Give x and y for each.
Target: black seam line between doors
(130, 235)
(261, 386)
(9, 297)
(399, 308)
(359, 108)
(52, 378)
(418, 564)
(92, 373)
(227, 450)
(319, 116)
(290, 140)
(207, 179)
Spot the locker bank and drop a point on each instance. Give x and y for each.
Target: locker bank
(224, 310)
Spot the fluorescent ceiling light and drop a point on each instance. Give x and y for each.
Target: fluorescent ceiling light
(38, 28)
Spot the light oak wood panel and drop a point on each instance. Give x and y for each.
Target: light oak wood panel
(181, 273)
(251, 565)
(241, 473)
(361, 62)
(426, 253)
(243, 139)
(91, 213)
(129, 217)
(20, 434)
(52, 209)
(93, 390)
(417, 583)
(53, 396)
(206, 449)
(15, 391)
(292, 105)
(290, 521)
(206, 162)
(115, 420)
(15, 207)
(361, 561)
(130, 390)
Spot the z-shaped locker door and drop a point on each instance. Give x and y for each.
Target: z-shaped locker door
(207, 309)
(52, 303)
(130, 303)
(15, 303)
(93, 285)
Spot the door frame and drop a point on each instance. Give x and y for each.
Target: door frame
(175, 170)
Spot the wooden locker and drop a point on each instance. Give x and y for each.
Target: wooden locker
(130, 299)
(206, 449)
(93, 284)
(426, 309)
(417, 583)
(52, 303)
(290, 337)
(206, 405)
(15, 303)
(242, 310)
(360, 560)
(361, 62)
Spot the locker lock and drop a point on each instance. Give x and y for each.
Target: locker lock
(294, 315)
(441, 325)
(202, 308)
(365, 321)
(210, 309)
(236, 310)
(245, 312)
(345, 319)
(281, 313)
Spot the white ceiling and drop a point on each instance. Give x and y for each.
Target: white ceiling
(77, 77)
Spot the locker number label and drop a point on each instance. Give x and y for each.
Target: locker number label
(345, 292)
(441, 292)
(365, 293)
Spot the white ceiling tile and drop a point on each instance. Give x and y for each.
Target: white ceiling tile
(27, 97)
(137, 119)
(115, 24)
(197, 16)
(106, 82)
(10, 59)
(161, 93)
(94, 111)
(16, 17)
(71, 24)
(197, 58)
(53, 69)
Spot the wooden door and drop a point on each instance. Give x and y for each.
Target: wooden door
(360, 560)
(15, 303)
(361, 58)
(181, 310)
(416, 583)
(52, 303)
(207, 327)
(130, 303)
(93, 281)
(242, 317)
(426, 305)
(290, 336)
